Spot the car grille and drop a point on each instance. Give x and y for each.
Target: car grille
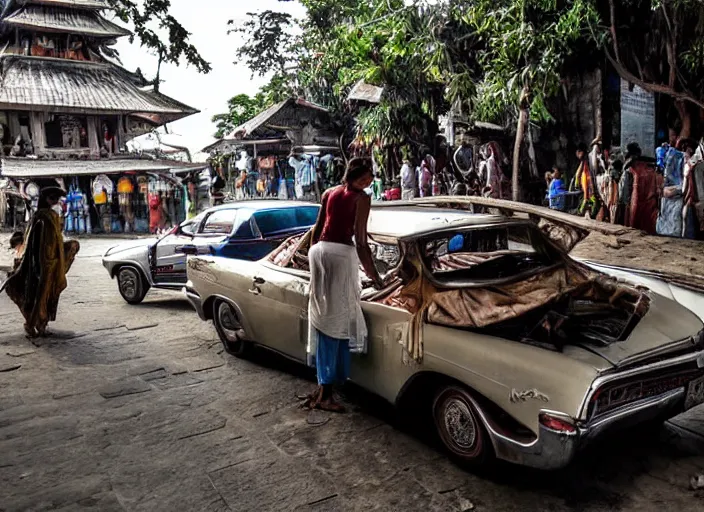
(613, 395)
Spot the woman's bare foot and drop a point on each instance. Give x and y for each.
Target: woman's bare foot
(310, 401)
(331, 406)
(30, 331)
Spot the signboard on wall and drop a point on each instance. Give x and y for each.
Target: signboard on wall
(637, 118)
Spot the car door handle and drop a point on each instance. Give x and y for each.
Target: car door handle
(256, 282)
(191, 250)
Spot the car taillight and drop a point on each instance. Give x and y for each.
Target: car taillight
(557, 423)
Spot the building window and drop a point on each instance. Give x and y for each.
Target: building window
(67, 132)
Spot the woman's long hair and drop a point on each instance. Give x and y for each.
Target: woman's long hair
(356, 168)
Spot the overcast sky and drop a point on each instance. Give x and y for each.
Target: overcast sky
(207, 21)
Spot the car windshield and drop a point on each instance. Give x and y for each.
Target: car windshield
(273, 222)
(190, 226)
(480, 255)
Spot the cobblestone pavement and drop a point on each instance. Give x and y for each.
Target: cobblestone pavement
(138, 408)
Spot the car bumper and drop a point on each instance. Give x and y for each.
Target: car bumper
(195, 300)
(555, 450)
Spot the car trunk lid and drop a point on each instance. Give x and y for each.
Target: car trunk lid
(664, 325)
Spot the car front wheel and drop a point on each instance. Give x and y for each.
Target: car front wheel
(229, 329)
(133, 287)
(459, 426)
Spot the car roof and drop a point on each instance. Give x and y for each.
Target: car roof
(412, 221)
(261, 204)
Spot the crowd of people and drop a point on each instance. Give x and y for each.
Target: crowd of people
(662, 195)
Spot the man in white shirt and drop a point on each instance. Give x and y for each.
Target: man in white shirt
(409, 181)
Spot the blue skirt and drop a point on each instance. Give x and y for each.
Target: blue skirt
(332, 360)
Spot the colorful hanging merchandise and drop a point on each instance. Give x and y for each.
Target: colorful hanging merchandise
(102, 194)
(156, 212)
(305, 167)
(125, 194)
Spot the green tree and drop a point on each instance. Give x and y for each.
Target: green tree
(270, 48)
(522, 47)
(151, 18)
(658, 45)
(241, 108)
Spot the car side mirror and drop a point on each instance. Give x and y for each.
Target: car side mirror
(190, 250)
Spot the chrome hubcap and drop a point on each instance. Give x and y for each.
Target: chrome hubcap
(128, 282)
(227, 319)
(459, 424)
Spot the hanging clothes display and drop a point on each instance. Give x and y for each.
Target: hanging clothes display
(669, 222)
(125, 192)
(102, 193)
(305, 174)
(156, 217)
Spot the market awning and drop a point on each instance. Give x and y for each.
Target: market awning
(39, 83)
(277, 119)
(33, 168)
(64, 20)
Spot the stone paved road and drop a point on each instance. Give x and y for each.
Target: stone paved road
(137, 408)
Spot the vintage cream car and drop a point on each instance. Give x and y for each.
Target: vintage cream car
(487, 328)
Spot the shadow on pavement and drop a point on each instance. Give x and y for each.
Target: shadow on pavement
(599, 477)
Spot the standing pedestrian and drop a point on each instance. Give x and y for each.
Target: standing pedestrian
(557, 191)
(38, 280)
(425, 178)
(338, 244)
(409, 180)
(585, 180)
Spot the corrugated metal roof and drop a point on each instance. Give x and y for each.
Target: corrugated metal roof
(269, 117)
(79, 4)
(64, 20)
(89, 87)
(34, 168)
(365, 92)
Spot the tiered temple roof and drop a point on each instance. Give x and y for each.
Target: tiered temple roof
(64, 20)
(35, 83)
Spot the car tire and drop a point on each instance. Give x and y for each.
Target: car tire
(132, 285)
(460, 428)
(229, 329)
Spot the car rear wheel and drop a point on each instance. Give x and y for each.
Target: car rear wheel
(132, 285)
(459, 426)
(229, 329)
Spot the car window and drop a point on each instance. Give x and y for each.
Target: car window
(271, 222)
(190, 227)
(243, 224)
(488, 253)
(220, 222)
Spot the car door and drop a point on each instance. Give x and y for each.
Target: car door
(276, 308)
(170, 264)
(216, 228)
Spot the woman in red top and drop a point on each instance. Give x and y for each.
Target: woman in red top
(339, 244)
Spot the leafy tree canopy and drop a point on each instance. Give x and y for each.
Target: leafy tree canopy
(241, 108)
(149, 18)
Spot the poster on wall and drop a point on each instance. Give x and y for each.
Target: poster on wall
(637, 118)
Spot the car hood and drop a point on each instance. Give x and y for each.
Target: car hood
(130, 245)
(665, 322)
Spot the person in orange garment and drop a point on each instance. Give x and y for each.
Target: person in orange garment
(37, 281)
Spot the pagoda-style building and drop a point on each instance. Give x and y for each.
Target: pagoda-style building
(67, 111)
